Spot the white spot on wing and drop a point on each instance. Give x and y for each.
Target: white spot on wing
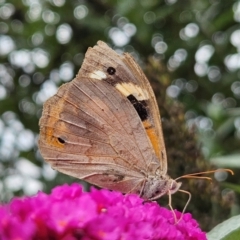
(129, 88)
(98, 75)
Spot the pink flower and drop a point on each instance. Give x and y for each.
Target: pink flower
(68, 213)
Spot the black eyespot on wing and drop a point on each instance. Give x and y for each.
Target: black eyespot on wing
(118, 178)
(61, 140)
(111, 70)
(140, 107)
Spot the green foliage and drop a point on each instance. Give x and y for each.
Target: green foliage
(227, 230)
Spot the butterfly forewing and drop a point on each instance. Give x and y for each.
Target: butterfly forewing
(153, 122)
(131, 81)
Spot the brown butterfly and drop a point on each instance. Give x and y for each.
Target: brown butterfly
(104, 127)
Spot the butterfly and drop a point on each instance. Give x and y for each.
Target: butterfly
(104, 127)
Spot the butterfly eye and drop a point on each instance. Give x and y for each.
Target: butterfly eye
(61, 140)
(111, 70)
(157, 192)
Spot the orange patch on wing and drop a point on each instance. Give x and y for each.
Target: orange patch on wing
(49, 123)
(51, 139)
(152, 136)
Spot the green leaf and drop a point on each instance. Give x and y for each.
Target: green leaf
(227, 230)
(233, 235)
(230, 161)
(234, 187)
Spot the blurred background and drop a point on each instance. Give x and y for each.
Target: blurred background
(190, 51)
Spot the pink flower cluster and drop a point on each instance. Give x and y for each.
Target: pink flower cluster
(68, 213)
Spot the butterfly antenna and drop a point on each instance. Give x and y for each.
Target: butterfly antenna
(195, 175)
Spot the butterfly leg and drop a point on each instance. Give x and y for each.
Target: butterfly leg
(170, 205)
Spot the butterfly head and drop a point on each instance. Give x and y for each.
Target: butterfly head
(156, 188)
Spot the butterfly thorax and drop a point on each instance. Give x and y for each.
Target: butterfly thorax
(157, 186)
